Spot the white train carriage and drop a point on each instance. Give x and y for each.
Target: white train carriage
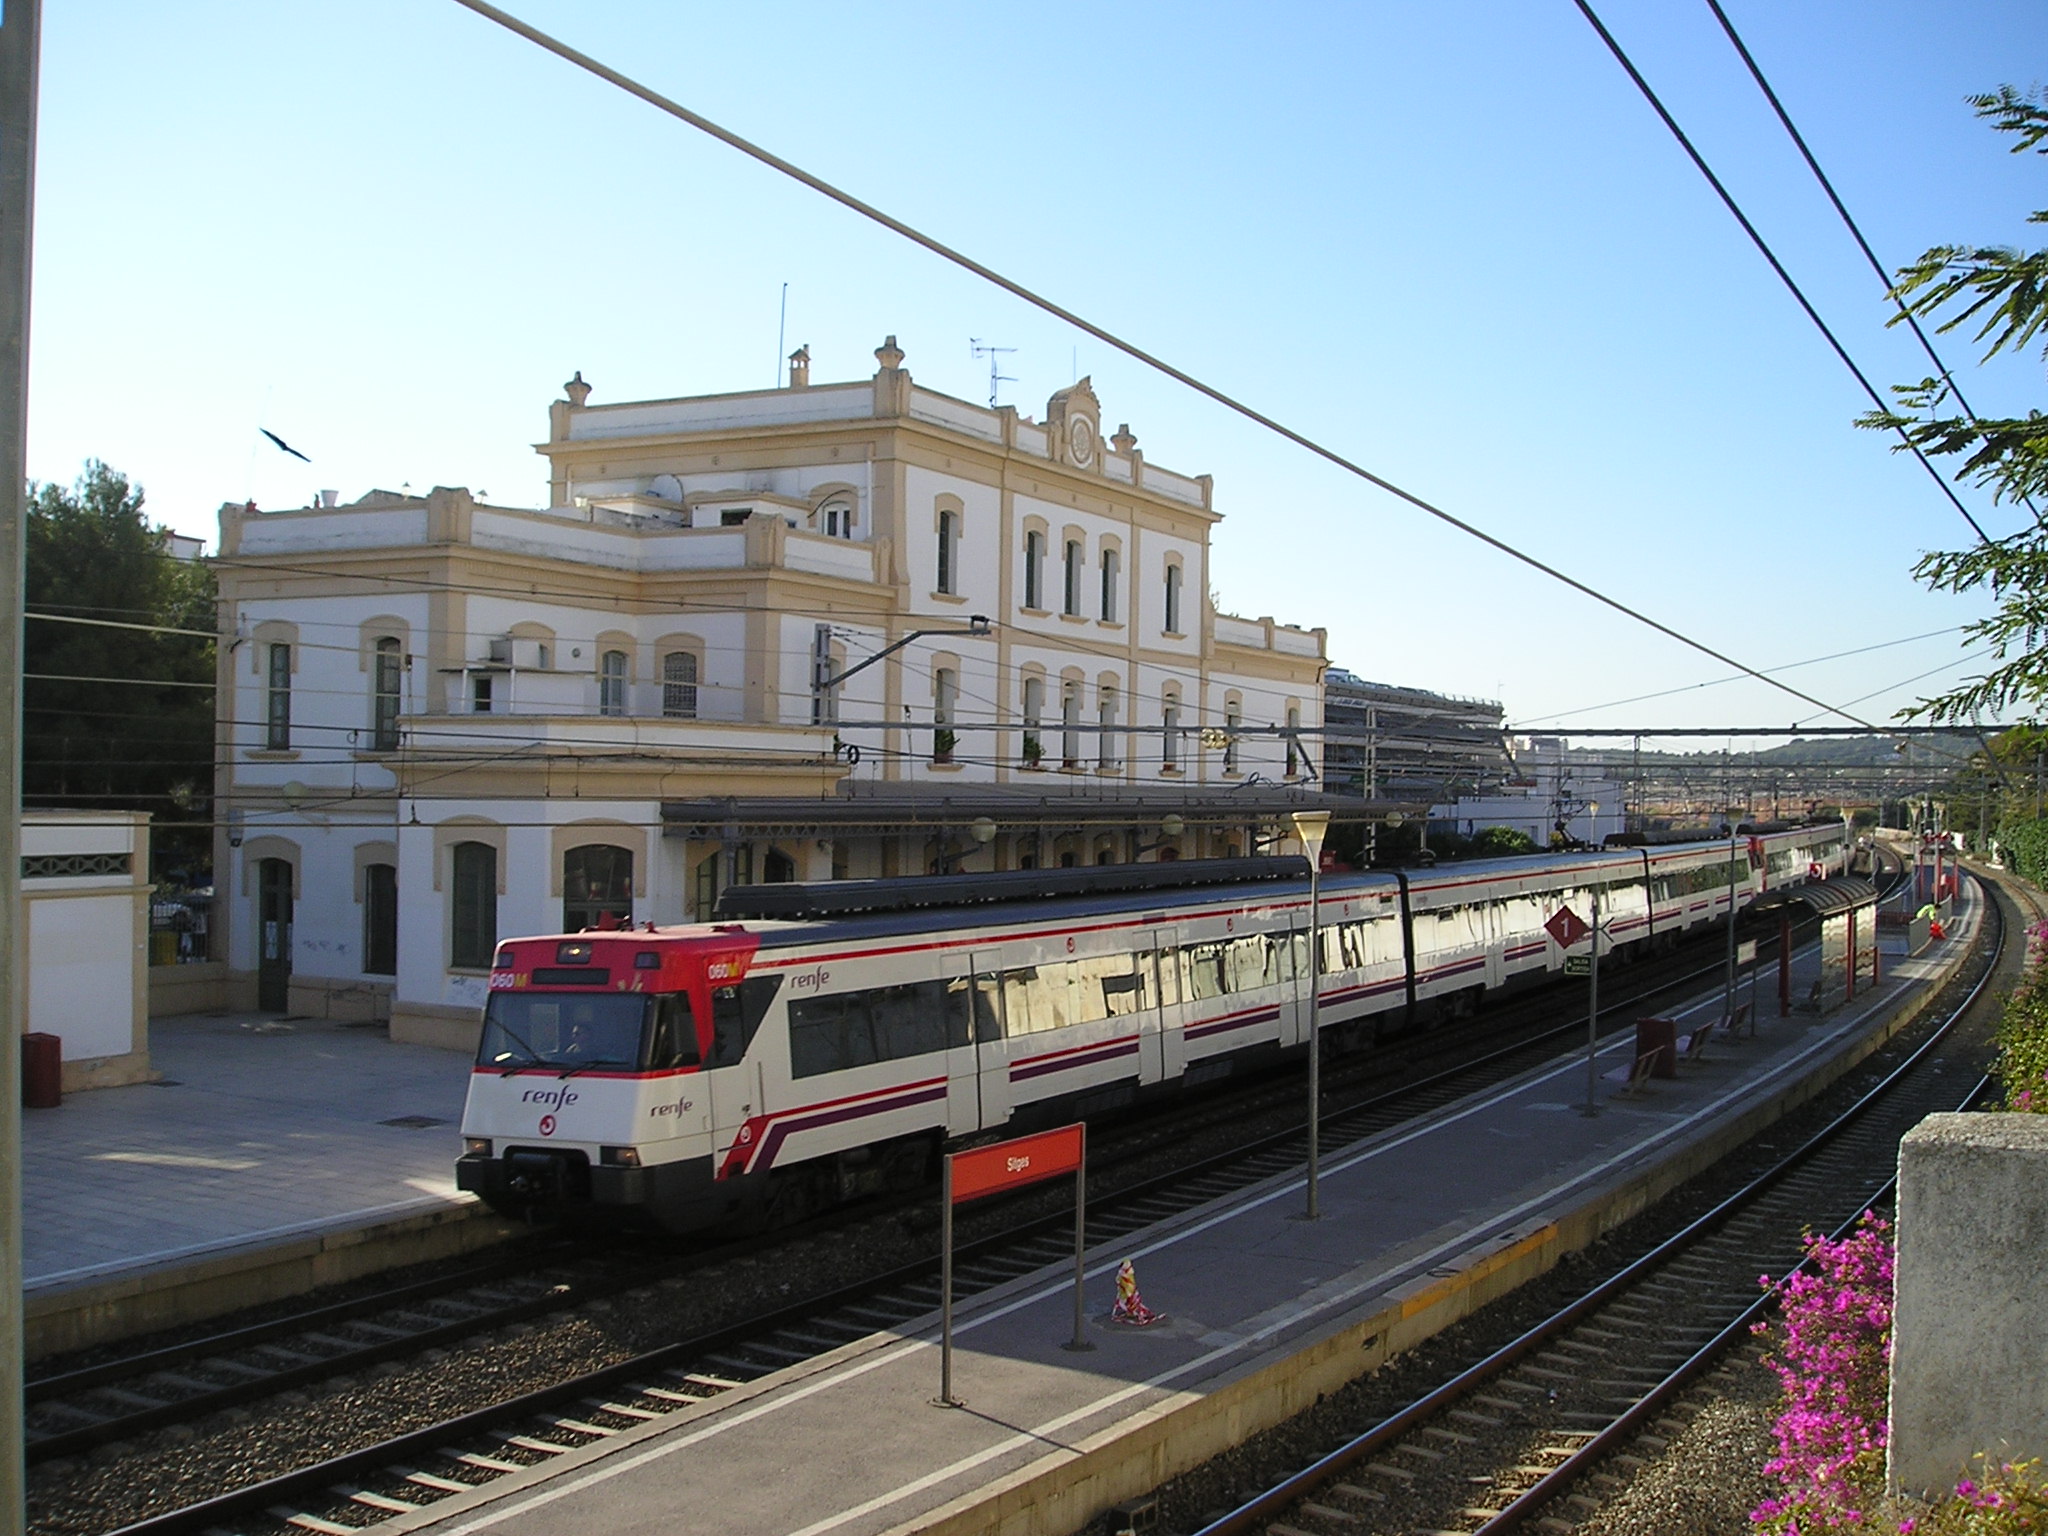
(685, 1075)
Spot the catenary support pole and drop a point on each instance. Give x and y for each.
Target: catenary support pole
(1080, 1339)
(946, 1399)
(20, 40)
(1728, 987)
(1592, 1104)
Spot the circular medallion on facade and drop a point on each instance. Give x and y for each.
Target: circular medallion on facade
(1081, 440)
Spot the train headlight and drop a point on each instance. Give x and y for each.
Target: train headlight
(476, 1146)
(619, 1157)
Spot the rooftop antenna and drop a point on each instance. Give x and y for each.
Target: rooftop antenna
(781, 334)
(995, 376)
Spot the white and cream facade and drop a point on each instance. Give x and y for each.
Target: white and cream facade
(444, 722)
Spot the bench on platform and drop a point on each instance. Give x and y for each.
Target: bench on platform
(1739, 1022)
(1637, 1084)
(1695, 1050)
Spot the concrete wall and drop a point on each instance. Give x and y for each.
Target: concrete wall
(85, 920)
(1970, 1295)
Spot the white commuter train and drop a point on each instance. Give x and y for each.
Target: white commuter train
(831, 1037)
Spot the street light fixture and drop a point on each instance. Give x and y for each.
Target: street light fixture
(1310, 827)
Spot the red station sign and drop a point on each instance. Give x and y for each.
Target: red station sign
(1014, 1164)
(1566, 926)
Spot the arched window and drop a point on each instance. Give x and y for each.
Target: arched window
(1072, 595)
(1169, 717)
(1111, 561)
(949, 531)
(385, 680)
(1105, 751)
(1232, 717)
(835, 519)
(945, 692)
(1293, 740)
(277, 732)
(597, 887)
(1173, 600)
(611, 683)
(1034, 569)
(679, 685)
(473, 906)
(778, 868)
(1034, 712)
(1070, 725)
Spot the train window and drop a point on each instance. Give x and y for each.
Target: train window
(1207, 976)
(1247, 962)
(736, 1013)
(674, 1041)
(562, 1029)
(978, 994)
(1107, 988)
(1027, 1000)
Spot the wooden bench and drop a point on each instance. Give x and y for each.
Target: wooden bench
(1637, 1084)
(1695, 1050)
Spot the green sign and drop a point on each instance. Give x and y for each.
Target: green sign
(1578, 965)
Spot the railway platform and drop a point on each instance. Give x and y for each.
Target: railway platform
(272, 1155)
(1263, 1310)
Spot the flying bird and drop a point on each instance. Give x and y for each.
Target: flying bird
(287, 447)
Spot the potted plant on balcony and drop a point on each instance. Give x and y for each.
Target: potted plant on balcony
(943, 742)
(1034, 750)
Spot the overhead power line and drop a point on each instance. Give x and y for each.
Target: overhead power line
(1728, 200)
(1812, 164)
(1229, 402)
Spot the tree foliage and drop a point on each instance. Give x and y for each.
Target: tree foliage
(110, 719)
(2002, 292)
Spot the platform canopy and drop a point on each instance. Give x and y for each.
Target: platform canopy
(1825, 898)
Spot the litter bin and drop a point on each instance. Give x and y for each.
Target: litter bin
(1661, 1036)
(42, 1071)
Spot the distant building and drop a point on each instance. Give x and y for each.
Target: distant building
(1408, 746)
(843, 630)
(1549, 798)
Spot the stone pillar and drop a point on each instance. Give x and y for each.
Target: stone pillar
(1969, 1366)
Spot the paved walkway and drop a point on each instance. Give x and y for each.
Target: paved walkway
(259, 1131)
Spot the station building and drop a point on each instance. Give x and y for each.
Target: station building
(816, 632)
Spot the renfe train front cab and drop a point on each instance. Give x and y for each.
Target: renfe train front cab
(595, 1079)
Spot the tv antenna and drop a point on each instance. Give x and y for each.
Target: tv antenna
(995, 374)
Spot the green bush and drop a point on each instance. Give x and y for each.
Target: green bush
(2009, 1499)
(2025, 845)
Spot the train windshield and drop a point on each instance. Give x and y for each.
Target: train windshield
(573, 1030)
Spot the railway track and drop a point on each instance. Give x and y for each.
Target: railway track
(1508, 1438)
(403, 1472)
(72, 1412)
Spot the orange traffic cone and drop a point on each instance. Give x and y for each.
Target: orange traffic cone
(1130, 1307)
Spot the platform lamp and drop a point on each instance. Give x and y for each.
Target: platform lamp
(1171, 825)
(1310, 827)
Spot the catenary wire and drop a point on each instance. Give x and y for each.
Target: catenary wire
(1813, 164)
(1728, 200)
(1129, 349)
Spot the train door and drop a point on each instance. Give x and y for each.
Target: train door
(991, 1049)
(964, 1004)
(1167, 1048)
(273, 935)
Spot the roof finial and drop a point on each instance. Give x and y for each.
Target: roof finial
(576, 389)
(888, 354)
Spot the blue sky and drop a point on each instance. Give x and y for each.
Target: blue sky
(1450, 241)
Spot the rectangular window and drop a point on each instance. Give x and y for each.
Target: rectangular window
(1072, 596)
(380, 919)
(894, 1023)
(946, 536)
(611, 683)
(1169, 752)
(1230, 724)
(481, 693)
(1173, 599)
(1110, 562)
(1070, 727)
(277, 735)
(679, 685)
(1105, 745)
(473, 901)
(390, 671)
(1034, 570)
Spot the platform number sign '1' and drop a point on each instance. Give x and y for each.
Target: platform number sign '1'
(1566, 926)
(991, 1170)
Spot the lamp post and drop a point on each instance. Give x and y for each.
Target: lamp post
(1310, 826)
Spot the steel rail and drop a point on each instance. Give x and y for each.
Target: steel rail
(1277, 1498)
